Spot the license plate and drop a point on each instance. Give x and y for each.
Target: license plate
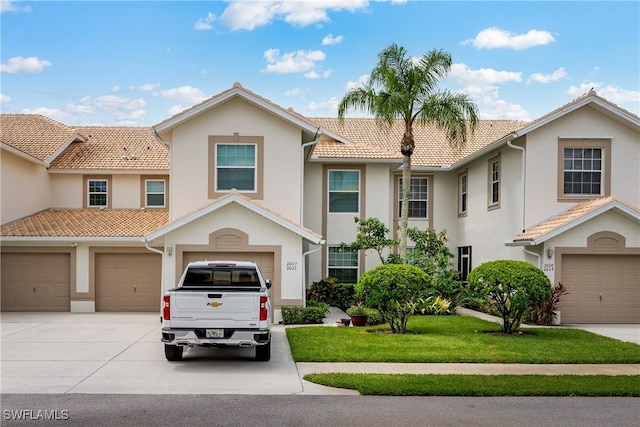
(214, 333)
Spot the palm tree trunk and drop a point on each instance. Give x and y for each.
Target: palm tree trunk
(404, 213)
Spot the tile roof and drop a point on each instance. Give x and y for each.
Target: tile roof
(370, 141)
(562, 219)
(115, 148)
(33, 134)
(87, 223)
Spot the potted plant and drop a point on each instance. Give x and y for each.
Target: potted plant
(358, 314)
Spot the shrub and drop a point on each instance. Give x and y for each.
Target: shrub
(394, 290)
(333, 293)
(511, 287)
(435, 306)
(303, 315)
(544, 313)
(374, 317)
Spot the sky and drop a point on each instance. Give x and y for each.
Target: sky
(126, 63)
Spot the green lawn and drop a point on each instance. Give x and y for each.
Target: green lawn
(456, 339)
(482, 385)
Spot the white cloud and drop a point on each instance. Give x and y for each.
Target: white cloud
(313, 74)
(20, 64)
(293, 92)
(53, 113)
(465, 75)
(487, 98)
(184, 93)
(329, 39)
(495, 38)
(558, 74)
(362, 80)
(293, 62)
(330, 105)
(204, 24)
(4, 99)
(11, 6)
(248, 15)
(178, 108)
(612, 93)
(115, 106)
(115, 89)
(149, 87)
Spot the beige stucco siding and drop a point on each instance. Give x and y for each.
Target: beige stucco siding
(125, 191)
(66, 191)
(542, 160)
(282, 157)
(24, 181)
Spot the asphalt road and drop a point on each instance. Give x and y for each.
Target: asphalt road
(97, 410)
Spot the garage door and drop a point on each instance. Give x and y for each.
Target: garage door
(35, 281)
(263, 259)
(128, 282)
(602, 289)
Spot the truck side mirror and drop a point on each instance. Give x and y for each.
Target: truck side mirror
(268, 283)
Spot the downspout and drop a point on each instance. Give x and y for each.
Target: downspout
(304, 273)
(158, 251)
(305, 145)
(524, 175)
(535, 255)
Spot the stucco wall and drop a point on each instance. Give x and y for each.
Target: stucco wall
(24, 186)
(282, 157)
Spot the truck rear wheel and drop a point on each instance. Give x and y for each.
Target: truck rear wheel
(263, 352)
(173, 353)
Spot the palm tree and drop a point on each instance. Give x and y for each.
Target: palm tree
(404, 88)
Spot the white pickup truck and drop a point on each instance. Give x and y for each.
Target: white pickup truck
(218, 304)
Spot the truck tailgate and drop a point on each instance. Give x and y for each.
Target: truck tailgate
(215, 309)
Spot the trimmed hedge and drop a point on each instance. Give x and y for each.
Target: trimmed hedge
(303, 315)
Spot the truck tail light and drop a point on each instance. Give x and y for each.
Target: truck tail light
(166, 307)
(263, 308)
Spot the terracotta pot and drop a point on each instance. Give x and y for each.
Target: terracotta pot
(359, 320)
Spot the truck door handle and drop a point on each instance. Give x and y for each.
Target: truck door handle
(135, 288)
(34, 288)
(600, 296)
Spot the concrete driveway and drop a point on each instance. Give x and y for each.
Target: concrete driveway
(122, 353)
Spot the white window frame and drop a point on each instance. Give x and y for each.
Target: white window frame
(494, 180)
(217, 167)
(463, 193)
(105, 193)
(345, 249)
(147, 193)
(426, 186)
(330, 191)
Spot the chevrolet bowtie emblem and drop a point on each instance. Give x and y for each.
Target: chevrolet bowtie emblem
(215, 304)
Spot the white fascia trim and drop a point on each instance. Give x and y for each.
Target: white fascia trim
(111, 171)
(69, 239)
(195, 111)
(352, 160)
(624, 209)
(224, 202)
(23, 155)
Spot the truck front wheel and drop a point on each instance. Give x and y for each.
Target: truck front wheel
(263, 352)
(173, 353)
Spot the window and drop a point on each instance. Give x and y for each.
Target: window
(494, 183)
(155, 193)
(418, 197)
(235, 167)
(462, 193)
(343, 264)
(464, 262)
(344, 191)
(97, 190)
(584, 168)
(583, 171)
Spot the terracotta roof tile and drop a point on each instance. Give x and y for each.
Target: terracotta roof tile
(33, 134)
(432, 149)
(115, 148)
(87, 223)
(572, 214)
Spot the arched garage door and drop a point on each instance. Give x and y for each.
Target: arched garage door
(128, 281)
(602, 289)
(35, 281)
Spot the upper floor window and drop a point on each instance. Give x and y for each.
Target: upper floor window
(343, 264)
(494, 182)
(155, 193)
(236, 167)
(462, 193)
(418, 197)
(583, 171)
(344, 191)
(97, 193)
(584, 168)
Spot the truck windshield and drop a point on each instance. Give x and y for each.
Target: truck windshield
(221, 277)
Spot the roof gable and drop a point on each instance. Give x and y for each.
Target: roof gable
(164, 128)
(571, 218)
(239, 199)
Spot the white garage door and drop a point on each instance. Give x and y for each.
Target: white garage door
(602, 289)
(35, 281)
